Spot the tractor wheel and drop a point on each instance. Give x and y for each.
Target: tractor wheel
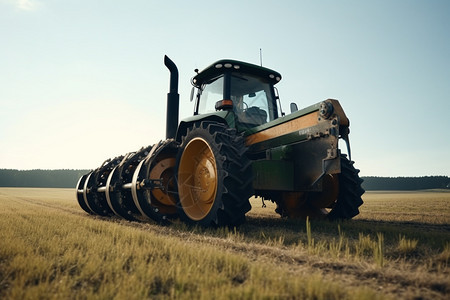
(350, 192)
(156, 202)
(340, 198)
(214, 176)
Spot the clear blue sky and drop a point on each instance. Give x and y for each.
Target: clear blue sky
(82, 81)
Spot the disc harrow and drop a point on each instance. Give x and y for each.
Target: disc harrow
(153, 183)
(137, 186)
(92, 186)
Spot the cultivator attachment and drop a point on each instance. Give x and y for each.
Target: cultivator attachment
(138, 186)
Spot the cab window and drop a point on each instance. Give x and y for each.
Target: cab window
(210, 94)
(253, 100)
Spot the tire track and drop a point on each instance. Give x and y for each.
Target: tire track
(41, 203)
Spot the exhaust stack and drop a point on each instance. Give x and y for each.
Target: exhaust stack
(173, 100)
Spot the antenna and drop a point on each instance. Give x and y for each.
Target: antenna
(260, 56)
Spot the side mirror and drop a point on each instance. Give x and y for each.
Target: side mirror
(294, 107)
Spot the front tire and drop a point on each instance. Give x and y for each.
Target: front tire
(214, 176)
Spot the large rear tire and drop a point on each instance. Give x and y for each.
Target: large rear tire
(214, 176)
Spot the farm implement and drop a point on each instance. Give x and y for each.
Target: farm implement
(237, 144)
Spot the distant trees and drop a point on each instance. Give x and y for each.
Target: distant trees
(40, 178)
(69, 178)
(406, 183)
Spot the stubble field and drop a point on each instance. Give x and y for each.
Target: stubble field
(398, 247)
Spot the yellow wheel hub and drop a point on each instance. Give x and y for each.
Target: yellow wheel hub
(197, 179)
(163, 169)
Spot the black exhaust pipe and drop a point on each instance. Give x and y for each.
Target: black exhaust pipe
(173, 100)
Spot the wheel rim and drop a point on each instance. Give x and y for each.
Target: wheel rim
(164, 170)
(197, 179)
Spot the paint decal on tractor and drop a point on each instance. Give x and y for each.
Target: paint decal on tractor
(303, 122)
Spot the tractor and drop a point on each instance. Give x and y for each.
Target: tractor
(237, 144)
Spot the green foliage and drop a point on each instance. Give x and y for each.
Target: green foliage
(69, 178)
(405, 183)
(40, 178)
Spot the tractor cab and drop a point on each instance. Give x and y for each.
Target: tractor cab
(243, 89)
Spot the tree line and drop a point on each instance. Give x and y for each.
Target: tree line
(69, 179)
(406, 183)
(40, 178)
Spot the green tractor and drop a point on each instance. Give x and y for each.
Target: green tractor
(237, 144)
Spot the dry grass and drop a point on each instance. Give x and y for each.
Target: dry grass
(49, 248)
(424, 207)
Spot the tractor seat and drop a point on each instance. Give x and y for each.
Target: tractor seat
(254, 116)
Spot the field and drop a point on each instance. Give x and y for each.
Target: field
(398, 247)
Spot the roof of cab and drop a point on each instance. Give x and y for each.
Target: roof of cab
(225, 65)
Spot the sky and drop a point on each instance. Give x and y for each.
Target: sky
(82, 81)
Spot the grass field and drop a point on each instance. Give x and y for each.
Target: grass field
(398, 247)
